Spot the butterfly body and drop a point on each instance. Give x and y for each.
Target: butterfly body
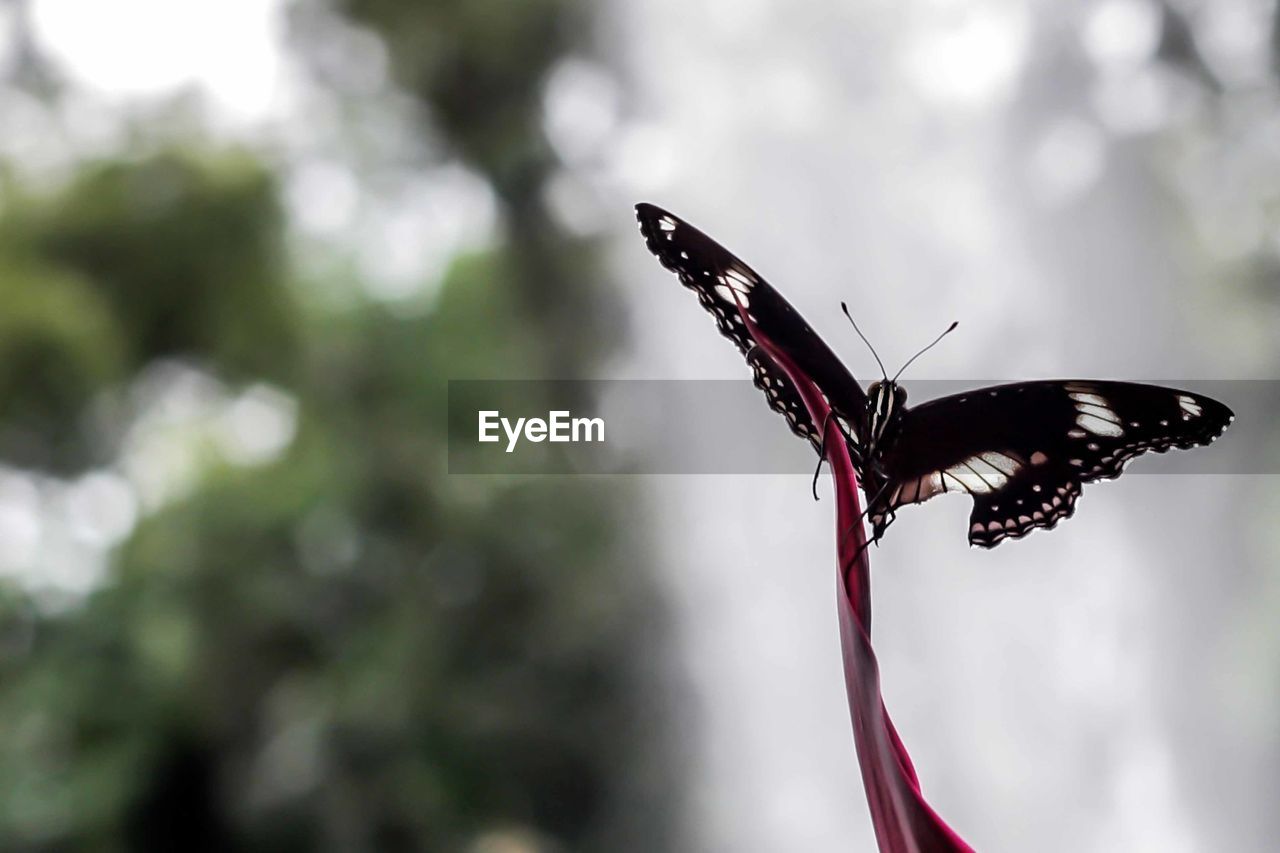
(1022, 451)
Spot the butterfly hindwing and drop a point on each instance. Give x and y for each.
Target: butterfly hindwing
(1037, 496)
(1024, 450)
(722, 281)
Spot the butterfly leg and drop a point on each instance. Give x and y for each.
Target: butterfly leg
(875, 538)
(862, 515)
(822, 452)
(858, 554)
(884, 526)
(880, 526)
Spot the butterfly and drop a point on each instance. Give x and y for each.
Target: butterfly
(1022, 451)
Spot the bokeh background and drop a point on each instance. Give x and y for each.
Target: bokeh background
(243, 247)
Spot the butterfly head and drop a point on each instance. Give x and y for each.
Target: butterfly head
(885, 403)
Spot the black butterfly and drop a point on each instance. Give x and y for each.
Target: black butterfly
(1021, 451)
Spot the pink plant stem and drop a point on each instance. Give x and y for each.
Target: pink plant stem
(903, 821)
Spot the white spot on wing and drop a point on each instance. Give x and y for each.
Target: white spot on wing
(1097, 411)
(1190, 408)
(739, 279)
(977, 477)
(728, 296)
(1099, 426)
(1002, 462)
(1094, 412)
(1080, 397)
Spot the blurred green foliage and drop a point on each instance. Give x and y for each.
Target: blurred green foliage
(178, 255)
(343, 648)
(186, 249)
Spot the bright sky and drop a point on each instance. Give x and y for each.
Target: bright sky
(152, 47)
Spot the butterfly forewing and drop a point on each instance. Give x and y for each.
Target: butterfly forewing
(722, 281)
(782, 395)
(1024, 450)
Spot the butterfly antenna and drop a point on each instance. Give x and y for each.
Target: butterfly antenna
(949, 330)
(845, 308)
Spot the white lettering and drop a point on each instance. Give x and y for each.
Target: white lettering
(513, 435)
(486, 424)
(559, 426)
(587, 425)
